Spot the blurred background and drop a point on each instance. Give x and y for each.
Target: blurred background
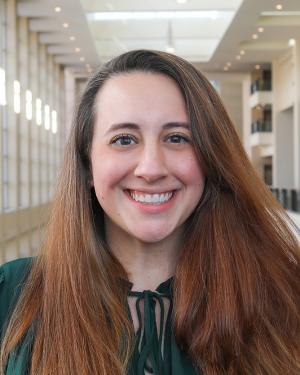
(249, 50)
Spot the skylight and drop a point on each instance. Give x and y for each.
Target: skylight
(192, 34)
(155, 15)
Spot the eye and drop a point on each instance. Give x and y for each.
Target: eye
(177, 138)
(123, 140)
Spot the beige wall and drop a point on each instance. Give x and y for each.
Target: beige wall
(233, 94)
(286, 118)
(233, 100)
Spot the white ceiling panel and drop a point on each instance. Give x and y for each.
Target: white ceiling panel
(196, 47)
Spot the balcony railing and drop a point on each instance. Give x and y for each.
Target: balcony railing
(261, 126)
(260, 85)
(289, 198)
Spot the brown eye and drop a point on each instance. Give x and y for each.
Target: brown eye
(177, 138)
(124, 140)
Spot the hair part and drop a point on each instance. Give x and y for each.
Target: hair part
(237, 282)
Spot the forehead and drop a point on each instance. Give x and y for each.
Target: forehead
(136, 80)
(139, 95)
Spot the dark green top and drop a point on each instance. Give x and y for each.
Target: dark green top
(155, 352)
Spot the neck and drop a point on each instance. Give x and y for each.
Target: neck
(147, 264)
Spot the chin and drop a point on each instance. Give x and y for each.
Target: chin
(152, 237)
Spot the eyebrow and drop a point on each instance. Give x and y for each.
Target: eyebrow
(133, 126)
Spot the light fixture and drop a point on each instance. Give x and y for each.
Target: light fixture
(226, 68)
(72, 38)
(65, 25)
(82, 58)
(28, 99)
(2, 87)
(238, 57)
(228, 64)
(38, 111)
(287, 13)
(254, 36)
(170, 44)
(292, 42)
(47, 116)
(17, 97)
(260, 29)
(257, 67)
(242, 52)
(77, 49)
(279, 7)
(170, 49)
(57, 9)
(54, 122)
(152, 15)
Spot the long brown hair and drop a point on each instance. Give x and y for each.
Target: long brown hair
(237, 282)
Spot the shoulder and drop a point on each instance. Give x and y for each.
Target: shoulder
(14, 272)
(13, 275)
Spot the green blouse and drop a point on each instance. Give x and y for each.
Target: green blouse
(155, 352)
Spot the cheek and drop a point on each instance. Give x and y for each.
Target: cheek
(107, 172)
(191, 172)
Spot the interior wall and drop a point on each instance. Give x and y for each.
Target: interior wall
(284, 146)
(284, 70)
(231, 94)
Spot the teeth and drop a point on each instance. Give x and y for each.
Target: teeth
(151, 198)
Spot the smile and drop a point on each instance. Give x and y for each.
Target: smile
(157, 198)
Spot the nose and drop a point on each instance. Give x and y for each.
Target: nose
(151, 165)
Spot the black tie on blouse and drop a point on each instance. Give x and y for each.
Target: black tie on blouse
(150, 354)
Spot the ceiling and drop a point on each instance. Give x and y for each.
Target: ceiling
(218, 35)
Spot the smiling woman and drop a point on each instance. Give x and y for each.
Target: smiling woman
(165, 253)
(144, 193)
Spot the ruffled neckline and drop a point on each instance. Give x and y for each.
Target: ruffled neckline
(164, 288)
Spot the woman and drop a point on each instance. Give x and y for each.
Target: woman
(165, 253)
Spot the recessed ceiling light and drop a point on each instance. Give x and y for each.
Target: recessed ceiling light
(82, 59)
(292, 42)
(65, 25)
(254, 36)
(257, 67)
(238, 57)
(260, 29)
(77, 49)
(242, 52)
(278, 6)
(57, 9)
(72, 38)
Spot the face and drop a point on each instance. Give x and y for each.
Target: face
(145, 172)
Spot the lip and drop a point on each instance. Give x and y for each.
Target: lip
(147, 191)
(152, 208)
